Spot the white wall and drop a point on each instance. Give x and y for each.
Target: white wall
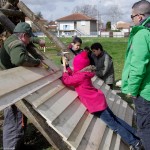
(104, 34)
(118, 34)
(66, 26)
(84, 27)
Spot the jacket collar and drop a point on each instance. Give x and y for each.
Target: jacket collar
(143, 25)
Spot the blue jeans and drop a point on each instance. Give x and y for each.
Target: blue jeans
(126, 132)
(142, 108)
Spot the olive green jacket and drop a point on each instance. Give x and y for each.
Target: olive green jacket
(136, 72)
(14, 53)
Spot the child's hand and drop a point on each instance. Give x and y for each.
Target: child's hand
(42, 43)
(64, 60)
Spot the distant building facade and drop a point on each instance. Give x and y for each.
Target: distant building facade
(76, 24)
(52, 26)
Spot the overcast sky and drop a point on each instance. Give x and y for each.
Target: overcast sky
(54, 9)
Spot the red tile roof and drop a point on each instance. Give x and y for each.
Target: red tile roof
(52, 23)
(76, 17)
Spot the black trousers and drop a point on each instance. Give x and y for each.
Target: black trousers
(142, 108)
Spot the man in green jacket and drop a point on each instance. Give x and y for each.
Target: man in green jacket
(13, 53)
(136, 72)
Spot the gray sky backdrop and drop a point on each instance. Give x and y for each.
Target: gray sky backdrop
(54, 9)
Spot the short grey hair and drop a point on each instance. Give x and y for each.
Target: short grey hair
(142, 7)
(19, 34)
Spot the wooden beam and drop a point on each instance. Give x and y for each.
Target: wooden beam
(36, 20)
(7, 5)
(10, 4)
(6, 23)
(28, 80)
(40, 123)
(10, 12)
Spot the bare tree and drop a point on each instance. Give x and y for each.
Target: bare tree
(39, 14)
(87, 10)
(115, 13)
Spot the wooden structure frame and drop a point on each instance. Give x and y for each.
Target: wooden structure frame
(54, 109)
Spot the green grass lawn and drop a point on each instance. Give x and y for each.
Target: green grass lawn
(114, 46)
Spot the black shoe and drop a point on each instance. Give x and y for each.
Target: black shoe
(138, 146)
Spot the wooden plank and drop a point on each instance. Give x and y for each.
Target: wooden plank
(24, 76)
(6, 22)
(117, 109)
(67, 121)
(47, 95)
(118, 143)
(9, 4)
(94, 78)
(39, 122)
(11, 12)
(129, 115)
(108, 140)
(52, 108)
(18, 92)
(52, 66)
(110, 99)
(122, 110)
(39, 93)
(93, 135)
(121, 114)
(105, 88)
(79, 131)
(97, 82)
(116, 105)
(99, 128)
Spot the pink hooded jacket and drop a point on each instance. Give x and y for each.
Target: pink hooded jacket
(93, 99)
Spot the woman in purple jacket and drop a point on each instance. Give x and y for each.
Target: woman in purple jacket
(94, 99)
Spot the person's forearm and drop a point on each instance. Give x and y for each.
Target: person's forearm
(34, 40)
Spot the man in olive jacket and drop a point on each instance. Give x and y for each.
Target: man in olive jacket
(14, 53)
(136, 72)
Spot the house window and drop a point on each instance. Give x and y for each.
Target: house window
(82, 23)
(66, 27)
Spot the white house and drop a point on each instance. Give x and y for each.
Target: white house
(76, 24)
(123, 26)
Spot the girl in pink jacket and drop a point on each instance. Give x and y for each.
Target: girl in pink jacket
(94, 99)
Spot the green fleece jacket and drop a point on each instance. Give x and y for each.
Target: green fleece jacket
(14, 53)
(136, 72)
